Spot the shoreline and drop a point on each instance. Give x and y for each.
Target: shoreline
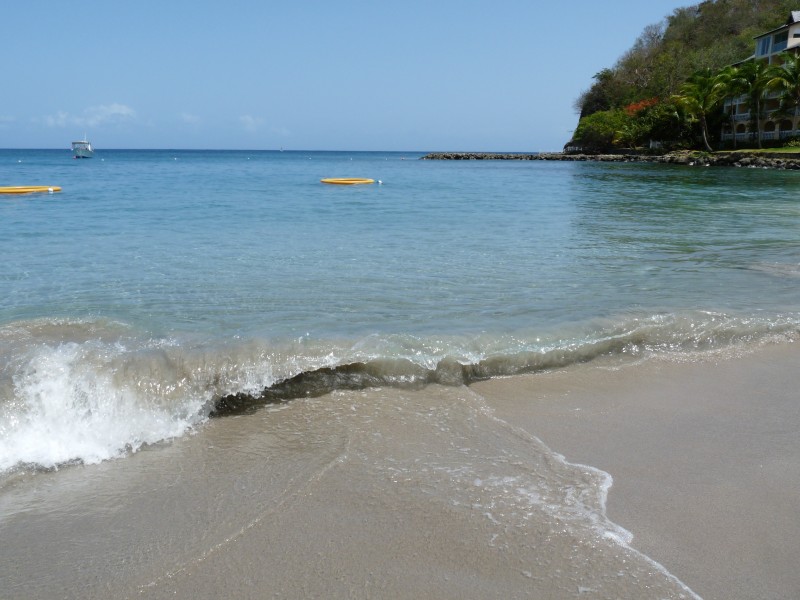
(754, 160)
(368, 486)
(704, 459)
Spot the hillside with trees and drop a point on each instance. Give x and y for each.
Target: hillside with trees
(670, 84)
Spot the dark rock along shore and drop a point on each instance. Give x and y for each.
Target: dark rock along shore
(773, 160)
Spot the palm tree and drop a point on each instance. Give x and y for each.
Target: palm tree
(700, 96)
(785, 79)
(730, 86)
(751, 79)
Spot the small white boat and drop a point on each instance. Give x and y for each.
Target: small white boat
(82, 149)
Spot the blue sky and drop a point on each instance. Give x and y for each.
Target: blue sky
(305, 74)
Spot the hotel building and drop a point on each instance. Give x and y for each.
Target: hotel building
(769, 47)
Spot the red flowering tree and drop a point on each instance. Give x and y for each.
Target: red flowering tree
(635, 108)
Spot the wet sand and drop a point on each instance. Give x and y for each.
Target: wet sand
(439, 493)
(705, 459)
(380, 493)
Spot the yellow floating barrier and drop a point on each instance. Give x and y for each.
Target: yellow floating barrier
(29, 189)
(347, 180)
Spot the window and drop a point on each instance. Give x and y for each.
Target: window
(763, 46)
(780, 41)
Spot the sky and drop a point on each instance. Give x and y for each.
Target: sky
(416, 75)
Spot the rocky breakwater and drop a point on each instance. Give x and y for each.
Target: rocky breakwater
(755, 160)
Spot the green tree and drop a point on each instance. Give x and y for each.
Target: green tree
(785, 79)
(699, 97)
(752, 78)
(663, 122)
(599, 130)
(629, 134)
(730, 85)
(607, 92)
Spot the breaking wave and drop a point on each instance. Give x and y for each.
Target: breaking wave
(87, 391)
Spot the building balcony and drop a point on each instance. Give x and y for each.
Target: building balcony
(740, 137)
(750, 136)
(737, 100)
(767, 114)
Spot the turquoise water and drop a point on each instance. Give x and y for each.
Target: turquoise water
(158, 282)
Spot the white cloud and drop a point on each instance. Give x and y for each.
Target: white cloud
(107, 113)
(5, 121)
(60, 119)
(251, 123)
(91, 117)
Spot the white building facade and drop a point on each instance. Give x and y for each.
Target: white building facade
(770, 47)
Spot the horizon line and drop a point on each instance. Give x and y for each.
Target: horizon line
(291, 150)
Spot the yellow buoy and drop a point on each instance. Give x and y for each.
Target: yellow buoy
(347, 180)
(29, 189)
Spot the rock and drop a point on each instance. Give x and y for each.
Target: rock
(696, 159)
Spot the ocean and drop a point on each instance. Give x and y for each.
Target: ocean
(168, 310)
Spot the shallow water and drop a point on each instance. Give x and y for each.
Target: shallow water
(158, 282)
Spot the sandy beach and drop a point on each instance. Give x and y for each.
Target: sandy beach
(705, 459)
(444, 492)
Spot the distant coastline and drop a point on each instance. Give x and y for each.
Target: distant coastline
(772, 160)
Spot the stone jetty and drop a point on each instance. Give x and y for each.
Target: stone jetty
(757, 160)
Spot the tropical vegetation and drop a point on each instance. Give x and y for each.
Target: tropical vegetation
(671, 85)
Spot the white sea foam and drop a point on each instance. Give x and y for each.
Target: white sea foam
(582, 502)
(106, 392)
(68, 407)
(74, 391)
